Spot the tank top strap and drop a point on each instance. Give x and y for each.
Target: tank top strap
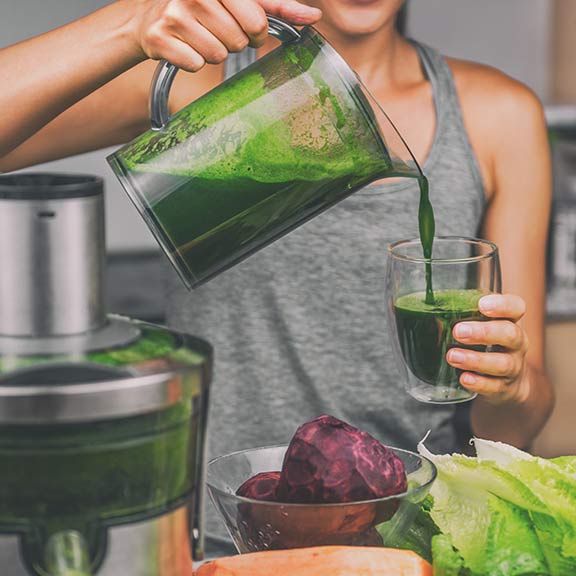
(441, 79)
(451, 130)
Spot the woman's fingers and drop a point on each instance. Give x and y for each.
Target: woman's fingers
(508, 306)
(494, 375)
(292, 11)
(486, 386)
(211, 28)
(494, 333)
(211, 47)
(180, 54)
(251, 17)
(499, 364)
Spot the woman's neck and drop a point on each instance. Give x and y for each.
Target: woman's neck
(371, 56)
(384, 60)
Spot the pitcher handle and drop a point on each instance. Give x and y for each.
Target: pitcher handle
(166, 72)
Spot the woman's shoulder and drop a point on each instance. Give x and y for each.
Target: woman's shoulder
(493, 94)
(497, 111)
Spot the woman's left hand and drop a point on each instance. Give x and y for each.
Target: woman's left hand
(497, 376)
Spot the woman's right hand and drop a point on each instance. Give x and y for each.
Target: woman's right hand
(192, 33)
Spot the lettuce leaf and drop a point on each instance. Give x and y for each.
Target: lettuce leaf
(549, 532)
(447, 560)
(566, 463)
(508, 513)
(419, 535)
(551, 483)
(461, 496)
(512, 547)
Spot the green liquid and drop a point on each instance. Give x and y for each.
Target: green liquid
(87, 477)
(427, 227)
(245, 164)
(425, 332)
(246, 215)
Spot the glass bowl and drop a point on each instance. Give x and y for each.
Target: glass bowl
(255, 525)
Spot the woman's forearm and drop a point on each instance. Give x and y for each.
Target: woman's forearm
(48, 78)
(517, 422)
(44, 76)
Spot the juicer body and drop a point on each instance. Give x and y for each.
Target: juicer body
(156, 547)
(102, 418)
(119, 461)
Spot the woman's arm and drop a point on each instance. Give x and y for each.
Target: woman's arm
(111, 115)
(51, 76)
(515, 396)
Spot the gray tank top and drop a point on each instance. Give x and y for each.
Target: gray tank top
(299, 328)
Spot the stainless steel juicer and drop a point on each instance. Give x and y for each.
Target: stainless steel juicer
(102, 418)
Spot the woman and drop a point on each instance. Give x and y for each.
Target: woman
(299, 328)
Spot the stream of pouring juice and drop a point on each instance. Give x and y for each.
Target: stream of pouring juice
(427, 227)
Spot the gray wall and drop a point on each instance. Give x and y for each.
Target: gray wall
(509, 34)
(20, 19)
(512, 35)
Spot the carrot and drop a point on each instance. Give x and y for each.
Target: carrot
(321, 561)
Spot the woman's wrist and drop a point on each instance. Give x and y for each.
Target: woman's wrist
(517, 418)
(120, 28)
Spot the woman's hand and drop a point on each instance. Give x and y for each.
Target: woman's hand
(192, 33)
(497, 376)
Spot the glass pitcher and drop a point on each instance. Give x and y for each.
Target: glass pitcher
(262, 153)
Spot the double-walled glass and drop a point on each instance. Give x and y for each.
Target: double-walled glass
(462, 270)
(262, 153)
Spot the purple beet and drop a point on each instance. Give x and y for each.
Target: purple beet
(262, 486)
(329, 461)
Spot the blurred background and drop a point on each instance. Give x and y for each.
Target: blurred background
(531, 40)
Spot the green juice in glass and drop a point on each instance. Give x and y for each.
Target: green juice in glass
(425, 332)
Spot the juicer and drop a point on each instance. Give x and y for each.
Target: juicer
(102, 418)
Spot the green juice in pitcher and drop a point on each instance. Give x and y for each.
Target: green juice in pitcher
(270, 148)
(249, 208)
(249, 177)
(425, 332)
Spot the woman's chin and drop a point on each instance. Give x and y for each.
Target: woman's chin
(353, 27)
(358, 17)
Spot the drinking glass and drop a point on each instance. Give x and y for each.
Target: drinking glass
(462, 270)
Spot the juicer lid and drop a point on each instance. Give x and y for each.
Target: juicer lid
(49, 186)
(85, 392)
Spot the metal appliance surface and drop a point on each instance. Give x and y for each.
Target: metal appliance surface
(130, 549)
(52, 242)
(102, 418)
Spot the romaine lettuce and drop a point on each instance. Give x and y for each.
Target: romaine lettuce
(508, 513)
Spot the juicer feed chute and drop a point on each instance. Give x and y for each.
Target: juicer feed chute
(102, 419)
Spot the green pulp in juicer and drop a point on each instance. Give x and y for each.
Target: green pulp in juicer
(153, 344)
(76, 474)
(239, 176)
(425, 332)
(90, 476)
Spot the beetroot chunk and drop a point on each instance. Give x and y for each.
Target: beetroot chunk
(260, 487)
(329, 461)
